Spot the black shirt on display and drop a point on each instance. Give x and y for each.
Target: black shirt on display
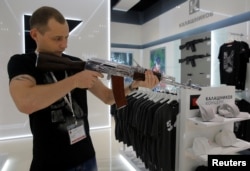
(241, 129)
(233, 58)
(149, 127)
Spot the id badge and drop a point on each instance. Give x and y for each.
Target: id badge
(76, 132)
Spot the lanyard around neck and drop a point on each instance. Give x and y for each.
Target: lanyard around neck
(67, 100)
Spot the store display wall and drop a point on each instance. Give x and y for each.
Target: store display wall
(177, 24)
(195, 59)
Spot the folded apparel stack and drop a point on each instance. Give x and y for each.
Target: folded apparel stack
(208, 114)
(231, 110)
(225, 138)
(203, 146)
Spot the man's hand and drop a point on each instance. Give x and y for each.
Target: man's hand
(86, 78)
(150, 81)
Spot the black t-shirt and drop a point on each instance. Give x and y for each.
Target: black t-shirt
(233, 58)
(51, 145)
(150, 129)
(164, 130)
(241, 128)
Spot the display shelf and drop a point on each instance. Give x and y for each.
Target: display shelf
(198, 121)
(232, 150)
(190, 125)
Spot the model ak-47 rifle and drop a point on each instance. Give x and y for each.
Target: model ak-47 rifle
(192, 59)
(116, 72)
(191, 44)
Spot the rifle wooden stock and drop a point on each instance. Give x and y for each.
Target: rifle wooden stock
(48, 62)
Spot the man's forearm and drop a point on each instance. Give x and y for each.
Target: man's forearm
(30, 97)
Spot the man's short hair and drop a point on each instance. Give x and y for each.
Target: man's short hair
(41, 16)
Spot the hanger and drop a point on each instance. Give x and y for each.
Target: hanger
(166, 97)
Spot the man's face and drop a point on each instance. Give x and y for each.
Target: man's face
(54, 40)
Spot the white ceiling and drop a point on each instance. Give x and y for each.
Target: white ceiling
(125, 5)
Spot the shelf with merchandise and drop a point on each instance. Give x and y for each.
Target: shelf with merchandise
(194, 133)
(218, 150)
(198, 121)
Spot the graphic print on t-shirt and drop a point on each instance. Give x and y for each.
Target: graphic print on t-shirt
(228, 62)
(60, 106)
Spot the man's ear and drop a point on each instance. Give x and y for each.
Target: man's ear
(33, 34)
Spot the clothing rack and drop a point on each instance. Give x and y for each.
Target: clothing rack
(140, 125)
(188, 126)
(147, 110)
(188, 85)
(237, 34)
(171, 80)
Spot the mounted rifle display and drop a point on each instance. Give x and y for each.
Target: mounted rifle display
(191, 44)
(192, 59)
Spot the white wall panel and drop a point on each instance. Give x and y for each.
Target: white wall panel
(90, 39)
(126, 33)
(168, 23)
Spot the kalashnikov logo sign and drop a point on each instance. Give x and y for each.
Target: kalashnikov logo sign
(194, 7)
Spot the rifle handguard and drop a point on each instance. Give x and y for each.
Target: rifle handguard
(141, 76)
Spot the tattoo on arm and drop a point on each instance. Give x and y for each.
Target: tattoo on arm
(23, 77)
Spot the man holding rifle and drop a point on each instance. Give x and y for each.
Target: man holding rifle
(56, 102)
